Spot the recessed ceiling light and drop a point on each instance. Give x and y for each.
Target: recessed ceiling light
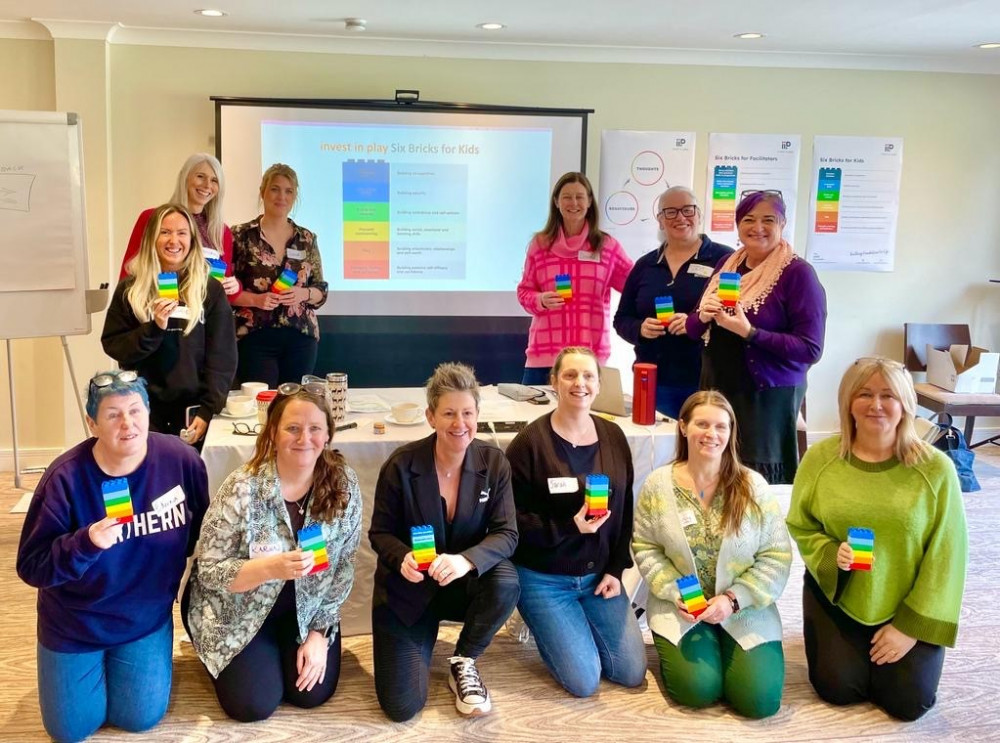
(208, 12)
(490, 26)
(750, 35)
(989, 45)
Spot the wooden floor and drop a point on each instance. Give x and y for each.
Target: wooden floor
(528, 705)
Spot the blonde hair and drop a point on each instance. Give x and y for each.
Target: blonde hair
(734, 477)
(909, 448)
(192, 279)
(569, 350)
(451, 377)
(279, 170)
(213, 209)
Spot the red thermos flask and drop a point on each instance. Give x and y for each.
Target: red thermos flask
(644, 394)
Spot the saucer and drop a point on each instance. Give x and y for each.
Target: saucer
(230, 416)
(390, 419)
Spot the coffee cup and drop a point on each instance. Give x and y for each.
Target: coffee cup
(250, 389)
(240, 406)
(405, 412)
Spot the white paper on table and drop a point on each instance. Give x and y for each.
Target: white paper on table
(497, 410)
(366, 403)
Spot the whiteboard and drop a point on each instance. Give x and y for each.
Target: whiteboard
(43, 233)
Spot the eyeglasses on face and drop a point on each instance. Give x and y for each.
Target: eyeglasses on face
(245, 429)
(688, 210)
(106, 380)
(765, 192)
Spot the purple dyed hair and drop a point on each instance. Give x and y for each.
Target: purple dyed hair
(750, 202)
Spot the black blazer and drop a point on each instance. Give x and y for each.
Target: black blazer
(484, 530)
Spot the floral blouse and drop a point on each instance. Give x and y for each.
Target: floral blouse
(704, 535)
(256, 266)
(246, 518)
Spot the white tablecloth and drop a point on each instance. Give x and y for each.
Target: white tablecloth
(224, 451)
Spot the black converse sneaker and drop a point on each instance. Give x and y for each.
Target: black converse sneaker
(471, 696)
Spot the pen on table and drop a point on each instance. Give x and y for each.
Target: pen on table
(346, 426)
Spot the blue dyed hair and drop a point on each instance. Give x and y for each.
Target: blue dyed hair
(95, 394)
(750, 201)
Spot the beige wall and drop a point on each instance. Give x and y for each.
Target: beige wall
(948, 229)
(38, 365)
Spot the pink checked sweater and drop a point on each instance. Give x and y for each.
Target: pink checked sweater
(585, 320)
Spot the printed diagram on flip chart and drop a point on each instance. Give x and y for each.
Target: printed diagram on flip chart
(15, 191)
(636, 168)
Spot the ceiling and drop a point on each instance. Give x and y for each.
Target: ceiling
(903, 34)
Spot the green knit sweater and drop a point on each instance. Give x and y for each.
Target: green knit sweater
(921, 541)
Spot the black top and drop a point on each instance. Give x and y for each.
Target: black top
(484, 529)
(726, 358)
(677, 357)
(178, 369)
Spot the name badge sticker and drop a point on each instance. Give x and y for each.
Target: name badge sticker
(264, 549)
(687, 518)
(296, 255)
(173, 497)
(563, 485)
(589, 256)
(211, 253)
(181, 312)
(702, 272)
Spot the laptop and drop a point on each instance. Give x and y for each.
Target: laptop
(611, 399)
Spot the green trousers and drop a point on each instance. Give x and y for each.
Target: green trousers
(709, 666)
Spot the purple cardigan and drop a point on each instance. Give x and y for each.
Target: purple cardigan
(790, 326)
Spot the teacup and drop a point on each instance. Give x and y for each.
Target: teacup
(250, 389)
(406, 412)
(240, 406)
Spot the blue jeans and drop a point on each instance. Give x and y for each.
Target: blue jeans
(670, 399)
(127, 686)
(581, 636)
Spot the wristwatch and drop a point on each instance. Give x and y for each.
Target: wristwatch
(751, 334)
(734, 602)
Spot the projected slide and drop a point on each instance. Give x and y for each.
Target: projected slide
(425, 208)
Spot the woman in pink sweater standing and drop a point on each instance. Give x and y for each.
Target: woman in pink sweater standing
(570, 245)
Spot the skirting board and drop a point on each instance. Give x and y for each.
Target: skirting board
(28, 458)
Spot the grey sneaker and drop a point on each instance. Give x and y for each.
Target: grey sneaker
(471, 695)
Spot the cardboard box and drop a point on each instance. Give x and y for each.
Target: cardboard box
(963, 369)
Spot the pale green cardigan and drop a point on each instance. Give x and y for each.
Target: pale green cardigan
(753, 564)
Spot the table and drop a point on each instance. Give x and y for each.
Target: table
(939, 400)
(224, 451)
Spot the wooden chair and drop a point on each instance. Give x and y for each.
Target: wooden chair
(916, 338)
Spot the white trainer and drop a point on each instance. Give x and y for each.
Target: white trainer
(471, 696)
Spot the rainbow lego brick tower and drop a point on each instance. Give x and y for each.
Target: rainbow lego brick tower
(311, 540)
(664, 309)
(422, 539)
(862, 541)
(166, 285)
(216, 268)
(564, 287)
(596, 493)
(691, 595)
(729, 289)
(117, 500)
(284, 282)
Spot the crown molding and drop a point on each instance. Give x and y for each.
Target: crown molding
(353, 44)
(85, 30)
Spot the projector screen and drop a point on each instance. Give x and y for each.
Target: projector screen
(419, 210)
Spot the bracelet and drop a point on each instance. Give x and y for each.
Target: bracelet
(733, 601)
(751, 334)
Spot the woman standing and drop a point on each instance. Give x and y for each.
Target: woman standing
(460, 487)
(570, 244)
(256, 608)
(278, 331)
(758, 353)
(106, 589)
(679, 269)
(879, 634)
(707, 515)
(201, 187)
(569, 563)
(185, 348)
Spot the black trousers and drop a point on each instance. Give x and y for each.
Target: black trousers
(841, 671)
(263, 674)
(403, 654)
(275, 355)
(170, 418)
